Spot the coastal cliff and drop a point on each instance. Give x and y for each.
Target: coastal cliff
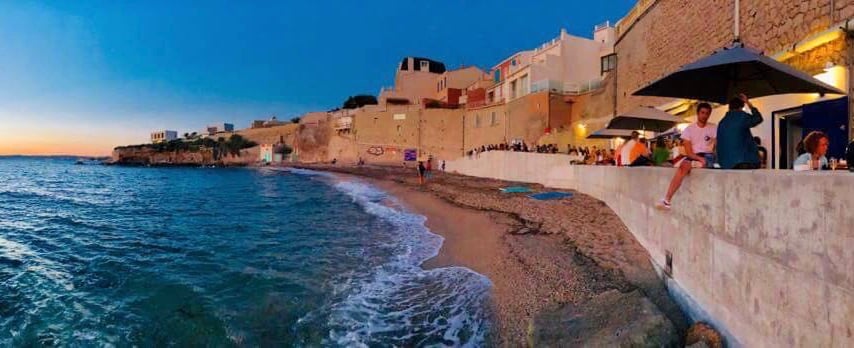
(236, 151)
(142, 156)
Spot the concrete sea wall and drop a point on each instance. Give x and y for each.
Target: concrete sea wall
(767, 256)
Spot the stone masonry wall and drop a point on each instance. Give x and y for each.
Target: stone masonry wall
(672, 33)
(765, 256)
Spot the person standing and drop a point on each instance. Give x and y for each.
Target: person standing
(428, 168)
(698, 140)
(736, 148)
(443, 166)
(421, 172)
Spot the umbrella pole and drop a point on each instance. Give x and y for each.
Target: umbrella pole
(735, 25)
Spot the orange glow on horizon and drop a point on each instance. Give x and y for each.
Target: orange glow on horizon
(53, 142)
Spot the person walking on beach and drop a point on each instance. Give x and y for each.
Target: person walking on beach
(698, 140)
(421, 171)
(736, 147)
(428, 169)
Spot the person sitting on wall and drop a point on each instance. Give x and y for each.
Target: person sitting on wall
(624, 152)
(816, 144)
(698, 144)
(641, 154)
(736, 148)
(660, 154)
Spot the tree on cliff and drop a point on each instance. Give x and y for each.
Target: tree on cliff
(236, 143)
(355, 102)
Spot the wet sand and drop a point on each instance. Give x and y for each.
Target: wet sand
(538, 254)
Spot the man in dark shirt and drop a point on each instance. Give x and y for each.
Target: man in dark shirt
(735, 145)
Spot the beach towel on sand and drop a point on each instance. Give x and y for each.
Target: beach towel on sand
(515, 189)
(543, 196)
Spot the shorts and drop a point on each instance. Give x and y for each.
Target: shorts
(709, 157)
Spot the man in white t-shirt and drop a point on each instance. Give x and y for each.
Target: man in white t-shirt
(698, 140)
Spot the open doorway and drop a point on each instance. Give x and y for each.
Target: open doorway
(790, 135)
(790, 126)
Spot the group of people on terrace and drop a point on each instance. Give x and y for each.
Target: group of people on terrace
(518, 146)
(731, 145)
(702, 144)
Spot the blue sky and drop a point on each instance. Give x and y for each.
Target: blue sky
(84, 76)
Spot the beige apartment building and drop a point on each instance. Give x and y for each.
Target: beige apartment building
(452, 85)
(414, 81)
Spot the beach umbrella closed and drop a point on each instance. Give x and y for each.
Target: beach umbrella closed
(731, 71)
(645, 118)
(606, 133)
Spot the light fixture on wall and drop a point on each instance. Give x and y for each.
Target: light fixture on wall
(829, 65)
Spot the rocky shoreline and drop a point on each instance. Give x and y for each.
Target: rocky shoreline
(564, 272)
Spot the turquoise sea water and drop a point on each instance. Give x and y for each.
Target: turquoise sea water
(98, 255)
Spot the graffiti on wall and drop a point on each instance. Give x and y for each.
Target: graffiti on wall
(376, 150)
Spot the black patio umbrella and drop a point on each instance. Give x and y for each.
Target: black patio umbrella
(606, 133)
(728, 72)
(644, 118)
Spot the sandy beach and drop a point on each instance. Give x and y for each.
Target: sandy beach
(539, 255)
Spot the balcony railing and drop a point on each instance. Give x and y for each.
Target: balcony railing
(565, 88)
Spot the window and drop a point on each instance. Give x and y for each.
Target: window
(497, 77)
(609, 63)
(425, 65)
(523, 81)
(399, 129)
(513, 62)
(494, 120)
(513, 89)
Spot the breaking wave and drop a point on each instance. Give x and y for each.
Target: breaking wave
(397, 302)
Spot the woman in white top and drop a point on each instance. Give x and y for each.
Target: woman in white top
(816, 144)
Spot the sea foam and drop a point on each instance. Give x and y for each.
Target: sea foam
(398, 302)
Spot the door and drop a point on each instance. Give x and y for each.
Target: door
(830, 117)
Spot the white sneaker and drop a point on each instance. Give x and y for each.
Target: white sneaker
(663, 204)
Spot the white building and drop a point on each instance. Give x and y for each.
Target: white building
(219, 127)
(566, 64)
(163, 136)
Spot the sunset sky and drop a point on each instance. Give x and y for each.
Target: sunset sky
(81, 77)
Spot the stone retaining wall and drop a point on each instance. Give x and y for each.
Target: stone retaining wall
(767, 256)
